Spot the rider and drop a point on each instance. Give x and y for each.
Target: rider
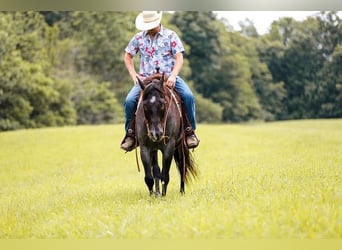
(158, 47)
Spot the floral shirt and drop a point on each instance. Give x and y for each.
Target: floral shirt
(159, 52)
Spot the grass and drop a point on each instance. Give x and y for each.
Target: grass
(273, 180)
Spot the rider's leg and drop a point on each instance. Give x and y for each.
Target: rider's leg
(130, 106)
(189, 104)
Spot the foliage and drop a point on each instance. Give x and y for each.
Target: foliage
(329, 96)
(95, 103)
(199, 32)
(64, 68)
(305, 49)
(207, 111)
(29, 95)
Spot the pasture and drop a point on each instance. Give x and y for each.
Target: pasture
(262, 180)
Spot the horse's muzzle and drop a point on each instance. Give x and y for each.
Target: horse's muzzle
(156, 134)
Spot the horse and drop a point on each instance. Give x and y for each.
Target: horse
(159, 127)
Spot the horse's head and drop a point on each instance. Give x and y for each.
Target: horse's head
(153, 102)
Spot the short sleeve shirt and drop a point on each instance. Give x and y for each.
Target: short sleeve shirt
(157, 53)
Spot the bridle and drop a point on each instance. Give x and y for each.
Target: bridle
(172, 97)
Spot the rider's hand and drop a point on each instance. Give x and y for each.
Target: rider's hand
(135, 80)
(171, 81)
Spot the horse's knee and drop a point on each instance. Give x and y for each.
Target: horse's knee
(156, 172)
(149, 182)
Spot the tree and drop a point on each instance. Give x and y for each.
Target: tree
(199, 31)
(95, 103)
(235, 92)
(104, 35)
(306, 47)
(28, 95)
(248, 29)
(330, 90)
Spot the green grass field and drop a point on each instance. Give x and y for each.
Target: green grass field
(267, 180)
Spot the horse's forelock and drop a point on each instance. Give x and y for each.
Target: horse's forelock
(154, 85)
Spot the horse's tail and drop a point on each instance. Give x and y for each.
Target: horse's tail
(184, 156)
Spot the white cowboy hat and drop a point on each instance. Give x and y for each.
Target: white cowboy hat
(147, 20)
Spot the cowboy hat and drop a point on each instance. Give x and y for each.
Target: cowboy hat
(147, 20)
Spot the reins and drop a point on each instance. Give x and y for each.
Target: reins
(136, 157)
(166, 113)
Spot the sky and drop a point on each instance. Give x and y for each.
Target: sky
(262, 19)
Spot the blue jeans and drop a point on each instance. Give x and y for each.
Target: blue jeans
(183, 89)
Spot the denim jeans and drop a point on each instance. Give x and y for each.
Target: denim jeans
(183, 89)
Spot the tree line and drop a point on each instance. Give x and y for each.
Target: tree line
(66, 68)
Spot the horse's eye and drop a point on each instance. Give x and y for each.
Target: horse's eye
(162, 104)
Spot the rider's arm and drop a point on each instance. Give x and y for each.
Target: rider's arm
(176, 69)
(130, 67)
(178, 64)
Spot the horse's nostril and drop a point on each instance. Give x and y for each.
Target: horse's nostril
(157, 135)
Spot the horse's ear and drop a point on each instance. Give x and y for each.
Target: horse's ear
(141, 83)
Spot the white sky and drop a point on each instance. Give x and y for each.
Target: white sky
(262, 19)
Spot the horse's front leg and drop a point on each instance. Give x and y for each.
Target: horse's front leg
(156, 172)
(165, 176)
(146, 158)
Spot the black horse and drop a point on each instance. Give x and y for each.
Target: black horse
(159, 126)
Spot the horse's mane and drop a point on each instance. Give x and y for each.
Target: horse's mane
(156, 76)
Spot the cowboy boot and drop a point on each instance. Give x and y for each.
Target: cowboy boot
(192, 140)
(130, 142)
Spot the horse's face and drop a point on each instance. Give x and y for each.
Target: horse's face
(154, 109)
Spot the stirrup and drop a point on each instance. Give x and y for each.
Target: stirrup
(129, 134)
(189, 131)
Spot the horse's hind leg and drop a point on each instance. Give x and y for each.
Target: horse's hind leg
(179, 159)
(182, 189)
(156, 172)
